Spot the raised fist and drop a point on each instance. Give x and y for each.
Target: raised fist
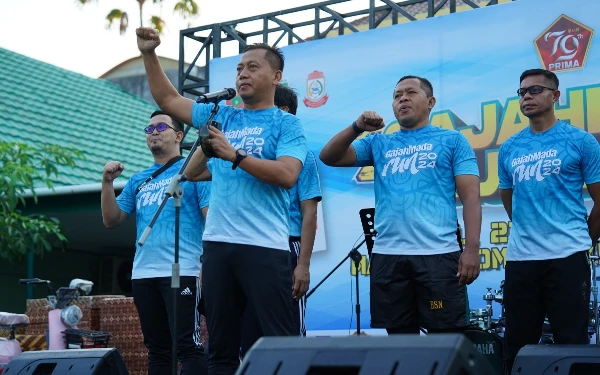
(112, 170)
(370, 121)
(147, 39)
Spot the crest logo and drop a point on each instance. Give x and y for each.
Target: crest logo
(316, 95)
(235, 102)
(564, 45)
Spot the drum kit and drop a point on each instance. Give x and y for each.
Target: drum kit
(487, 332)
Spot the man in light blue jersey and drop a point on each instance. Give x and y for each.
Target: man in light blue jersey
(542, 170)
(418, 272)
(151, 275)
(254, 162)
(304, 197)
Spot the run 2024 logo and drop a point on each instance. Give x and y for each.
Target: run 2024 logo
(564, 45)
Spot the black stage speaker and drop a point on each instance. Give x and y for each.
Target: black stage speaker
(442, 354)
(68, 362)
(558, 360)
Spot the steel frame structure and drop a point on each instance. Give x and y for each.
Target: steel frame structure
(211, 37)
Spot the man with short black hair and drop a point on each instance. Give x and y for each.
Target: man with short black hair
(304, 197)
(418, 272)
(151, 275)
(254, 162)
(542, 170)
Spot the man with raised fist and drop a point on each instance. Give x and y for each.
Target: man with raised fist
(257, 159)
(419, 271)
(151, 275)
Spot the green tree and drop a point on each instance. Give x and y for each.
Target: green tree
(186, 8)
(22, 168)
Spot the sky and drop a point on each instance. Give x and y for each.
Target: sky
(74, 37)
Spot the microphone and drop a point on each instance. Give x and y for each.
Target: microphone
(215, 97)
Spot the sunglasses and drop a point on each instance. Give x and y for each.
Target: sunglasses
(160, 127)
(535, 89)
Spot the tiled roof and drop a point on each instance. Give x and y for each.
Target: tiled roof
(41, 103)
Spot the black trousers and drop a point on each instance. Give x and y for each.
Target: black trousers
(556, 288)
(235, 276)
(412, 291)
(153, 298)
(251, 330)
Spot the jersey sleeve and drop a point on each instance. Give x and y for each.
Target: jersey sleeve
(210, 165)
(505, 182)
(308, 181)
(292, 141)
(464, 161)
(200, 114)
(203, 191)
(364, 151)
(126, 200)
(590, 160)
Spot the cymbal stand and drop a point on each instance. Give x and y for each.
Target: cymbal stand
(489, 298)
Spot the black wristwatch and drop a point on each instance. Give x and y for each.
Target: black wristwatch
(240, 154)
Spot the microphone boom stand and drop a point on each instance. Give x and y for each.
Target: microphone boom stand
(357, 258)
(594, 261)
(175, 191)
(367, 216)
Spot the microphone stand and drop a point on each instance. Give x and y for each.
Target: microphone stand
(175, 191)
(594, 260)
(357, 258)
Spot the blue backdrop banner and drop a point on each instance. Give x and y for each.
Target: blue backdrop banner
(474, 60)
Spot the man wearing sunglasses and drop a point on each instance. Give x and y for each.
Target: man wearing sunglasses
(542, 170)
(254, 162)
(151, 275)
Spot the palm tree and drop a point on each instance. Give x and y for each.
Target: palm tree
(186, 8)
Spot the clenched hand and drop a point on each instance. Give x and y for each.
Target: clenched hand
(147, 39)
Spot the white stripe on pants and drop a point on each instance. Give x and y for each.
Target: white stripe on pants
(295, 246)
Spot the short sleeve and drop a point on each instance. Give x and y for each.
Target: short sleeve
(308, 181)
(126, 200)
(210, 165)
(203, 191)
(464, 161)
(292, 141)
(200, 114)
(590, 160)
(503, 175)
(364, 151)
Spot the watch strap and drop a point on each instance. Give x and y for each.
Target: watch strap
(356, 129)
(238, 159)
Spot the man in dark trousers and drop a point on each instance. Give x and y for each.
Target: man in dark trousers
(418, 272)
(542, 170)
(304, 197)
(151, 276)
(254, 161)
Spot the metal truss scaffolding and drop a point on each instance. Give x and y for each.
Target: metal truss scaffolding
(208, 40)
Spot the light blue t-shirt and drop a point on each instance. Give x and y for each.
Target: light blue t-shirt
(415, 205)
(154, 259)
(243, 209)
(546, 172)
(307, 187)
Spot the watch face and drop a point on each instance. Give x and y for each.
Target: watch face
(241, 152)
